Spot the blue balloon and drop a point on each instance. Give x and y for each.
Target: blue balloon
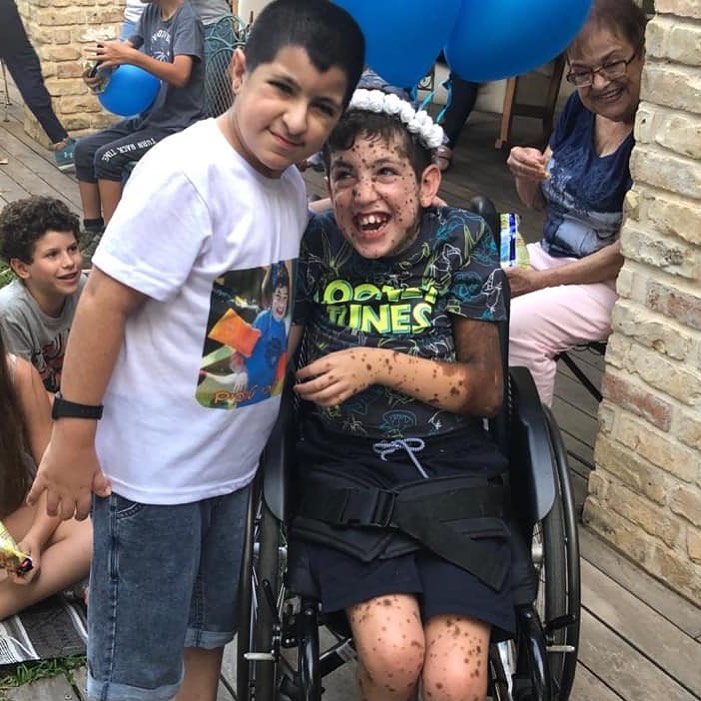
(495, 39)
(129, 91)
(403, 37)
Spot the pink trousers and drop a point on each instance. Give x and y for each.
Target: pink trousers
(546, 322)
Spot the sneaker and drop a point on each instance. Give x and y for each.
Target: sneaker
(63, 155)
(87, 244)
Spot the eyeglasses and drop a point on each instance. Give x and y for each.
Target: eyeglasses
(584, 77)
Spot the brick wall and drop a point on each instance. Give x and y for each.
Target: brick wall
(645, 494)
(59, 30)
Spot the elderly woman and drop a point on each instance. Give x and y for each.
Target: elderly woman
(566, 295)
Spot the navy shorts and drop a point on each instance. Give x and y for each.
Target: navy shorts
(163, 578)
(441, 588)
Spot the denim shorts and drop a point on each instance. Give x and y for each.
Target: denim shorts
(163, 578)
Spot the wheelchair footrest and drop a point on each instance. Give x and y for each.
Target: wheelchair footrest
(260, 656)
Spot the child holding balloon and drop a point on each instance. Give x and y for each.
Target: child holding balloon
(168, 44)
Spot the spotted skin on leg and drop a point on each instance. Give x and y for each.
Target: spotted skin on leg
(456, 659)
(389, 640)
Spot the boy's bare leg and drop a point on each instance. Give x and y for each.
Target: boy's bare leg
(64, 561)
(110, 194)
(90, 199)
(389, 639)
(202, 669)
(456, 659)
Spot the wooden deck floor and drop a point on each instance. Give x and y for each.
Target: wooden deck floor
(640, 641)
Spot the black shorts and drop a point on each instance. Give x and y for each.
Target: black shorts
(441, 588)
(342, 580)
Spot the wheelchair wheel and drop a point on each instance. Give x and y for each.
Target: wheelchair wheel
(261, 592)
(555, 551)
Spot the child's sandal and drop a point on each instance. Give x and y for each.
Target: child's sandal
(444, 157)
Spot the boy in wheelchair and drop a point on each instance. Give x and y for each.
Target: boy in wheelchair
(401, 516)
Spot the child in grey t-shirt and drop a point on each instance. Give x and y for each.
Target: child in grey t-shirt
(39, 241)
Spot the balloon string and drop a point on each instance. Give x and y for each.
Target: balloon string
(448, 85)
(426, 101)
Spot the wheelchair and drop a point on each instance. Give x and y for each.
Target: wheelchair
(279, 654)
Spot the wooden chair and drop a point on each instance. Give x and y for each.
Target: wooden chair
(534, 94)
(596, 347)
(545, 111)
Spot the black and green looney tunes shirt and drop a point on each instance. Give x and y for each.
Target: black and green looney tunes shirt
(403, 303)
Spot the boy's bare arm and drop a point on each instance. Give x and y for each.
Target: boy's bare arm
(69, 471)
(116, 53)
(473, 385)
(35, 407)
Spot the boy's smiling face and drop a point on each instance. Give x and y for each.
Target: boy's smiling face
(284, 110)
(377, 198)
(54, 272)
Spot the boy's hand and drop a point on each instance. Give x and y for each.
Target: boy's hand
(92, 79)
(69, 473)
(527, 164)
(331, 380)
(110, 53)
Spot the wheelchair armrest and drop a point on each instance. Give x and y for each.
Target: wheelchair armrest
(531, 459)
(277, 460)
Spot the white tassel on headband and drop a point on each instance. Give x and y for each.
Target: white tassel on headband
(417, 122)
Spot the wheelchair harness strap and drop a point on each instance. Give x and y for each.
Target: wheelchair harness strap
(416, 511)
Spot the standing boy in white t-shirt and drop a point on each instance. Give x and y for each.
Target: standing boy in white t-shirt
(177, 282)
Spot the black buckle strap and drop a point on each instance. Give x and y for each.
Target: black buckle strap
(421, 515)
(371, 507)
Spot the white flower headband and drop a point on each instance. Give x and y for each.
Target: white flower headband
(417, 122)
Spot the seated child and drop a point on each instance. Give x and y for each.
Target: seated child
(399, 301)
(59, 550)
(39, 241)
(171, 41)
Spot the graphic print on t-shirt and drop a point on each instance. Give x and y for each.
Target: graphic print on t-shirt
(245, 348)
(161, 41)
(49, 361)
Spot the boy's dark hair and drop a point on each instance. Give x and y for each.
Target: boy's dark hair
(275, 277)
(623, 18)
(329, 35)
(376, 126)
(24, 222)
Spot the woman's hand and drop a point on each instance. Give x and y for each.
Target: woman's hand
(524, 280)
(331, 380)
(32, 549)
(527, 163)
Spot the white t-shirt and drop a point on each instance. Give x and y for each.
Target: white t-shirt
(208, 11)
(133, 10)
(195, 390)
